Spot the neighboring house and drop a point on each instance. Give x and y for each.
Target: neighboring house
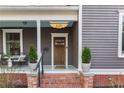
(65, 31)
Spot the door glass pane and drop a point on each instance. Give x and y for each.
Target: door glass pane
(13, 43)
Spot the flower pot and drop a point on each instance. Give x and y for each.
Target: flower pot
(9, 62)
(86, 67)
(32, 65)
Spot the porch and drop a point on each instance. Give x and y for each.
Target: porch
(28, 70)
(18, 33)
(61, 43)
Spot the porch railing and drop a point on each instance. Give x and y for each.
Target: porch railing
(40, 66)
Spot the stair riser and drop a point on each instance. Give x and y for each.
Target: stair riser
(60, 81)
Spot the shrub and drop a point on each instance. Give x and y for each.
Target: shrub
(86, 55)
(32, 55)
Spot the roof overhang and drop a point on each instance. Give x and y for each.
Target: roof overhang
(39, 13)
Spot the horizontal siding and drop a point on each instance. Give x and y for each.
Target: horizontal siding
(100, 33)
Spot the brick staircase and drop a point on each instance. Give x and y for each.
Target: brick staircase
(64, 80)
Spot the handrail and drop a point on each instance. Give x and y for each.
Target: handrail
(40, 65)
(37, 66)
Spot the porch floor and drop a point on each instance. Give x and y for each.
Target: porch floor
(27, 69)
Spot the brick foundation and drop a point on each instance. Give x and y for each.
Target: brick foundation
(19, 80)
(109, 81)
(87, 80)
(73, 80)
(32, 80)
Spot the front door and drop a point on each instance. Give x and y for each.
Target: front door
(59, 51)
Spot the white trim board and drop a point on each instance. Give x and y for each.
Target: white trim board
(12, 31)
(107, 71)
(80, 38)
(36, 8)
(39, 15)
(52, 47)
(120, 28)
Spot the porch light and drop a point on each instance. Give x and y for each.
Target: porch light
(58, 25)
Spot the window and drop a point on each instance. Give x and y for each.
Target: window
(12, 41)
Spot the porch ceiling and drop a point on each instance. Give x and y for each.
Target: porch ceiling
(26, 24)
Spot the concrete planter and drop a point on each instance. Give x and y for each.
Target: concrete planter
(32, 65)
(9, 62)
(86, 67)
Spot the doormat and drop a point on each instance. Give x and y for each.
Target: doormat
(60, 67)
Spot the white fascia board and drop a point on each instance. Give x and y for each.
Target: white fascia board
(39, 8)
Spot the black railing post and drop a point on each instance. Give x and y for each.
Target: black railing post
(39, 75)
(42, 65)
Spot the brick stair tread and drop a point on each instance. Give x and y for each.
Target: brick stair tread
(60, 75)
(63, 81)
(62, 78)
(60, 86)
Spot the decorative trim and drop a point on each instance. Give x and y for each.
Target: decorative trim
(12, 31)
(52, 47)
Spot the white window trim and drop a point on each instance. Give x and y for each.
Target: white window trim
(52, 47)
(12, 31)
(120, 28)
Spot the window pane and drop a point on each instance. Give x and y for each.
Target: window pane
(13, 43)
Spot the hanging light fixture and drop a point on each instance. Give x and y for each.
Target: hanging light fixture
(58, 25)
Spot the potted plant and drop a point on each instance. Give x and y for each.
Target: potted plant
(32, 57)
(7, 58)
(86, 57)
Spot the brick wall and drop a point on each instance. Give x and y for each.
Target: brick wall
(17, 79)
(108, 81)
(32, 81)
(86, 80)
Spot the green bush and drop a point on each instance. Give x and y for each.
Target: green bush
(32, 55)
(86, 55)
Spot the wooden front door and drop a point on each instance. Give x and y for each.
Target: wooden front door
(59, 51)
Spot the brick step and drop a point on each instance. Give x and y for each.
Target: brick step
(60, 86)
(61, 80)
(60, 75)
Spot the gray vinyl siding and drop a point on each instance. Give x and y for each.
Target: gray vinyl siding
(75, 44)
(100, 33)
(29, 39)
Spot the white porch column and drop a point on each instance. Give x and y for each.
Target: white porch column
(80, 39)
(38, 39)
